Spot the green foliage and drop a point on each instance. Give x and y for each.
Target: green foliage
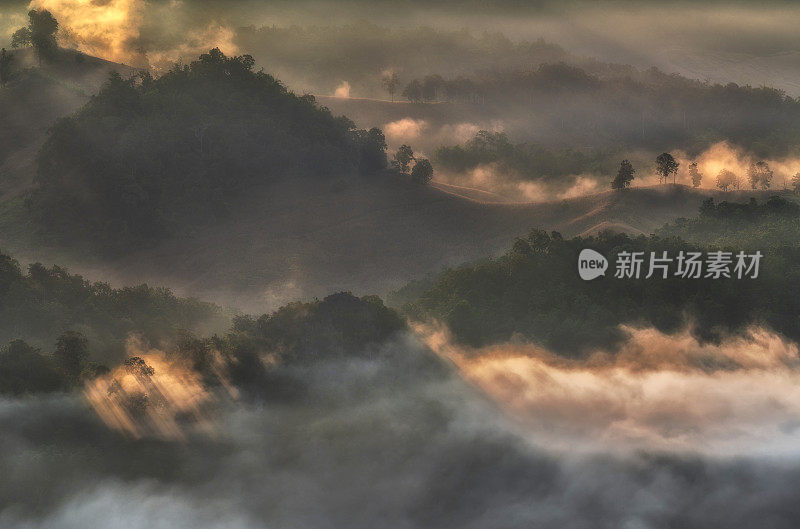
(727, 179)
(760, 175)
(259, 354)
(413, 91)
(71, 354)
(752, 225)
(6, 60)
(525, 160)
(390, 81)
(40, 33)
(340, 324)
(422, 173)
(373, 150)
(147, 156)
(402, 158)
(21, 37)
(44, 303)
(624, 176)
(695, 175)
(23, 369)
(666, 166)
(534, 291)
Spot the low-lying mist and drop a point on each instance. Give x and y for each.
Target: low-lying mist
(499, 178)
(381, 441)
(658, 392)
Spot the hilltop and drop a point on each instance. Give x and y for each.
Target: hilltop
(35, 97)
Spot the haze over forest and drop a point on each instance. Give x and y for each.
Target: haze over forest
(314, 264)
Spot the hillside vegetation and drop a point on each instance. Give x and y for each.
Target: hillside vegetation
(39, 305)
(256, 355)
(534, 291)
(147, 156)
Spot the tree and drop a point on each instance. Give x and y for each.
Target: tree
(24, 370)
(666, 166)
(165, 183)
(696, 176)
(390, 81)
(796, 184)
(21, 38)
(138, 367)
(413, 91)
(760, 175)
(5, 66)
(624, 176)
(432, 85)
(422, 173)
(71, 353)
(402, 158)
(373, 150)
(727, 179)
(40, 33)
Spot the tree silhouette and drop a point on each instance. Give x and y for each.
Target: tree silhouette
(432, 85)
(390, 82)
(413, 91)
(20, 38)
(5, 66)
(373, 150)
(422, 173)
(666, 166)
(696, 176)
(402, 158)
(760, 175)
(727, 179)
(796, 184)
(624, 176)
(40, 33)
(71, 353)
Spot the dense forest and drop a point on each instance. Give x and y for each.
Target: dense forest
(146, 156)
(751, 225)
(534, 291)
(257, 355)
(41, 304)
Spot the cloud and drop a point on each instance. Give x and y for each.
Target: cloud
(392, 440)
(343, 90)
(659, 392)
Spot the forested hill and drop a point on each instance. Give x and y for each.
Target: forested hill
(146, 155)
(32, 97)
(534, 291)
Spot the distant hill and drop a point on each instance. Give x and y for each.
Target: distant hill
(148, 158)
(31, 102)
(281, 238)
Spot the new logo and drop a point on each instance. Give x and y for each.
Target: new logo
(591, 264)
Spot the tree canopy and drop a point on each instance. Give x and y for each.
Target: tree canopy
(39, 33)
(534, 291)
(147, 155)
(624, 176)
